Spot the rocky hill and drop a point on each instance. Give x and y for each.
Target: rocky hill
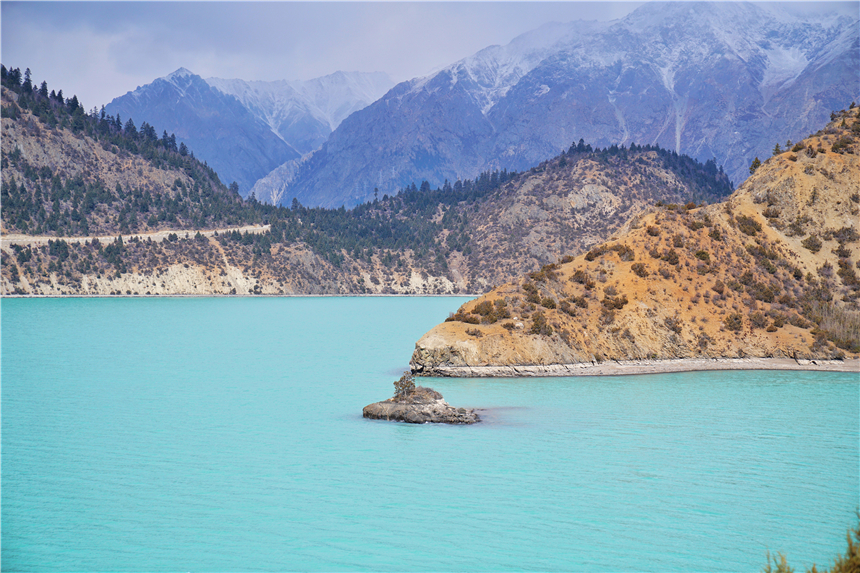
(713, 80)
(771, 272)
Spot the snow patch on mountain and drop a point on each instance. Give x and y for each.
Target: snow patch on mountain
(286, 105)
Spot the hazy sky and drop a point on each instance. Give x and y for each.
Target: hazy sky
(100, 50)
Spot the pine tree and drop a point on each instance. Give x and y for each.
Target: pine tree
(755, 165)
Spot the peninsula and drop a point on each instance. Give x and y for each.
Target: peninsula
(765, 279)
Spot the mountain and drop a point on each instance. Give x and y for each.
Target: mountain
(244, 129)
(69, 177)
(719, 80)
(771, 272)
(214, 125)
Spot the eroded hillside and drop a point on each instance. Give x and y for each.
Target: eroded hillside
(771, 272)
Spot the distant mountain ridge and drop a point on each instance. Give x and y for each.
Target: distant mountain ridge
(245, 130)
(304, 113)
(712, 80)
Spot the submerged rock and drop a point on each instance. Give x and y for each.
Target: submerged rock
(420, 405)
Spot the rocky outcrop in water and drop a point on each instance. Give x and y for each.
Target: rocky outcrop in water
(419, 406)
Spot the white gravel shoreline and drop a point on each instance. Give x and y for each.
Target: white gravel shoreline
(618, 368)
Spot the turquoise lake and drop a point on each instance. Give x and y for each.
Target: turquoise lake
(226, 435)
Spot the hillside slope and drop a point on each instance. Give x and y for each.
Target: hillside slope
(771, 272)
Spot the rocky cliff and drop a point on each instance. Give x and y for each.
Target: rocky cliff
(771, 272)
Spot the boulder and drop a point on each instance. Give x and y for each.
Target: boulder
(419, 406)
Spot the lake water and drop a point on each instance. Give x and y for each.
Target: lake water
(226, 434)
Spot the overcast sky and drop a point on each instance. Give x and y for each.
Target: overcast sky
(101, 50)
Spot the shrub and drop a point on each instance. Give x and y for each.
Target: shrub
(848, 563)
(812, 242)
(734, 321)
(639, 270)
(540, 325)
(613, 303)
(565, 307)
(841, 251)
(532, 295)
(483, 308)
(508, 325)
(715, 234)
(652, 230)
(748, 225)
(593, 254)
(719, 287)
(758, 320)
(677, 241)
(583, 278)
(405, 384)
(474, 332)
(846, 235)
(547, 302)
(579, 301)
(762, 292)
(463, 317)
(847, 274)
(547, 272)
(703, 256)
(671, 257)
(625, 253)
(674, 324)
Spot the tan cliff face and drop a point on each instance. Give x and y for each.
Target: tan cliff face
(772, 272)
